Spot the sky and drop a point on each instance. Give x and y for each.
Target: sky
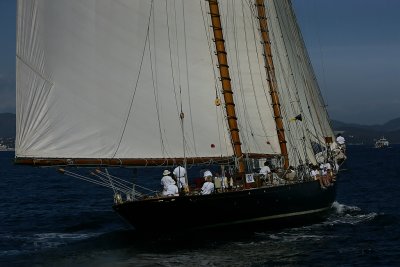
(354, 46)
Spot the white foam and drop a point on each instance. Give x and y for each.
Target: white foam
(41, 241)
(80, 236)
(53, 240)
(349, 215)
(341, 208)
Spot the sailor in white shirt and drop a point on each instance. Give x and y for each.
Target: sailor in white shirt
(172, 190)
(326, 168)
(323, 169)
(326, 173)
(208, 186)
(180, 175)
(314, 174)
(207, 174)
(265, 170)
(166, 181)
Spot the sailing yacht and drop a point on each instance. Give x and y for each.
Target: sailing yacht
(156, 84)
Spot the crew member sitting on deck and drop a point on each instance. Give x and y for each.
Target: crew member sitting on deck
(207, 174)
(208, 186)
(326, 172)
(291, 173)
(265, 172)
(172, 190)
(276, 180)
(315, 173)
(220, 182)
(166, 181)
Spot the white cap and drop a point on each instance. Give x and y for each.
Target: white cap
(166, 172)
(207, 173)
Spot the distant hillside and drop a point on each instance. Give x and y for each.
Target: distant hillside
(354, 133)
(7, 125)
(392, 125)
(357, 133)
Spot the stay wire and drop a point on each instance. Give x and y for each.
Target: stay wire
(187, 75)
(155, 85)
(137, 79)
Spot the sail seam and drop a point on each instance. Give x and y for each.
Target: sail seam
(34, 70)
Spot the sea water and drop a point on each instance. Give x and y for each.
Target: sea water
(47, 219)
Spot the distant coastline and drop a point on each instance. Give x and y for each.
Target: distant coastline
(355, 134)
(6, 148)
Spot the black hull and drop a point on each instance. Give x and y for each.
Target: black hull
(251, 209)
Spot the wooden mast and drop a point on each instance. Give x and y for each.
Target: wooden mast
(226, 83)
(269, 65)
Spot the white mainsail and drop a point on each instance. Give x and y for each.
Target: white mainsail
(104, 78)
(109, 79)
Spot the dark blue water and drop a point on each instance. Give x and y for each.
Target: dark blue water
(47, 219)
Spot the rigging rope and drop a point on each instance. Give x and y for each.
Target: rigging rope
(187, 77)
(137, 79)
(240, 103)
(155, 85)
(105, 179)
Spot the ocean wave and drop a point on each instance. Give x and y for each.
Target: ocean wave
(344, 214)
(53, 240)
(12, 252)
(296, 236)
(343, 209)
(38, 242)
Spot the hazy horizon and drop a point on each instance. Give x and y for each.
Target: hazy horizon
(332, 119)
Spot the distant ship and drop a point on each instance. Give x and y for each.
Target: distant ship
(381, 143)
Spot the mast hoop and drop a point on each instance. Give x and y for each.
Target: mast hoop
(219, 40)
(220, 53)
